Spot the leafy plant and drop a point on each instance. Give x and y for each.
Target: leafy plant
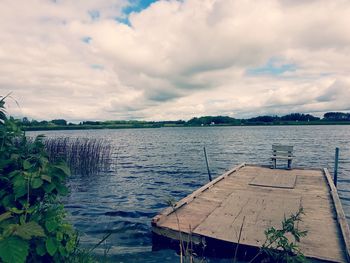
(278, 247)
(32, 220)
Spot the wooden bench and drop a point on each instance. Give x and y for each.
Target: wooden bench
(282, 152)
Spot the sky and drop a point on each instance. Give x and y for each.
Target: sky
(168, 60)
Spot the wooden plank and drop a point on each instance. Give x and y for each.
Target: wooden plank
(281, 158)
(190, 197)
(184, 221)
(175, 234)
(275, 180)
(260, 210)
(340, 213)
(282, 148)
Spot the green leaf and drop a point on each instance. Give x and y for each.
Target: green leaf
(62, 190)
(51, 225)
(16, 210)
(51, 246)
(44, 160)
(22, 219)
(5, 216)
(46, 178)
(26, 165)
(62, 250)
(71, 244)
(7, 200)
(40, 250)
(14, 156)
(59, 236)
(29, 230)
(36, 183)
(31, 209)
(13, 249)
(19, 186)
(63, 167)
(49, 187)
(14, 173)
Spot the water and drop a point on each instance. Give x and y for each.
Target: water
(152, 166)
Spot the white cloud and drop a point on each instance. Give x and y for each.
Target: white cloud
(176, 59)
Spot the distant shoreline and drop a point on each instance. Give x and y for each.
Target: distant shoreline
(292, 119)
(153, 126)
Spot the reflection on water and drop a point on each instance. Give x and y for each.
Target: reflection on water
(150, 166)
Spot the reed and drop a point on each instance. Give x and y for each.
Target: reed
(84, 156)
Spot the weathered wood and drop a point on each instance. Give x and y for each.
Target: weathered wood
(282, 152)
(224, 221)
(190, 197)
(175, 234)
(274, 180)
(336, 160)
(282, 148)
(340, 213)
(282, 157)
(216, 211)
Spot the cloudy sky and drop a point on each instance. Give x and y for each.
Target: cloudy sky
(167, 60)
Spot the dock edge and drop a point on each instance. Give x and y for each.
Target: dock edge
(344, 228)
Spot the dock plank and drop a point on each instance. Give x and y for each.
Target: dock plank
(274, 180)
(218, 210)
(224, 221)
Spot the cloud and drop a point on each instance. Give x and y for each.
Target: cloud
(336, 97)
(115, 59)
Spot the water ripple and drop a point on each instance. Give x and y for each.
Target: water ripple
(152, 166)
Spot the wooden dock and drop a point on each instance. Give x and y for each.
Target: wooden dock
(262, 197)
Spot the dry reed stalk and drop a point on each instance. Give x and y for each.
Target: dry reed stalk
(239, 239)
(84, 156)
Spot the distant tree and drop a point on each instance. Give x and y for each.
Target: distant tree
(265, 118)
(299, 117)
(180, 122)
(312, 118)
(34, 123)
(59, 122)
(171, 122)
(207, 120)
(26, 121)
(194, 121)
(44, 123)
(223, 120)
(336, 116)
(91, 123)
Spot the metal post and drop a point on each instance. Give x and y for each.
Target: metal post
(206, 161)
(336, 166)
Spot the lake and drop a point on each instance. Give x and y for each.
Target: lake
(152, 166)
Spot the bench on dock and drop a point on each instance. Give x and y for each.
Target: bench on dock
(282, 152)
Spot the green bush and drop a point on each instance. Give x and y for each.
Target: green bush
(32, 220)
(282, 245)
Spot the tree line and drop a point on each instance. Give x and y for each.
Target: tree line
(293, 118)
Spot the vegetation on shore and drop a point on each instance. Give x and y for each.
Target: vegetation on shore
(329, 118)
(33, 227)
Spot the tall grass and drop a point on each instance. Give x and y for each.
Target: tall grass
(84, 156)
